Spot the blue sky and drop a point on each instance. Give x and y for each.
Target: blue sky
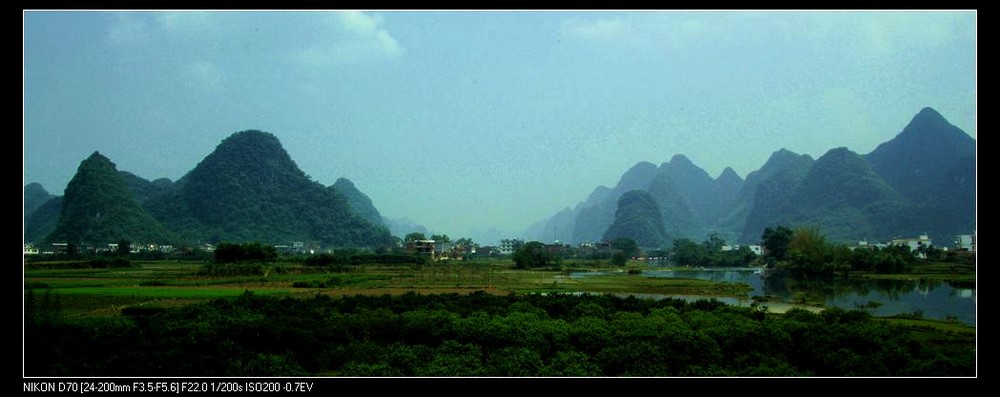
(470, 120)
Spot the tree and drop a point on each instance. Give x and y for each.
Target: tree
(627, 246)
(124, 247)
(249, 252)
(714, 243)
(440, 238)
(619, 258)
(776, 242)
(808, 251)
(531, 254)
(415, 236)
(688, 252)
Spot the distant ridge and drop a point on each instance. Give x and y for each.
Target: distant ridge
(921, 181)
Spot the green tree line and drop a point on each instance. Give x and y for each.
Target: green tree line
(476, 335)
(805, 250)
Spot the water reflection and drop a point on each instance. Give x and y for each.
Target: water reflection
(924, 298)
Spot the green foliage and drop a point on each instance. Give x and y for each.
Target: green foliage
(532, 254)
(809, 252)
(619, 258)
(627, 246)
(476, 335)
(113, 263)
(329, 283)
(893, 259)
(710, 254)
(414, 236)
(247, 252)
(776, 241)
(124, 247)
(688, 253)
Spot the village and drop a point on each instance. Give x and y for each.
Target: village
(463, 249)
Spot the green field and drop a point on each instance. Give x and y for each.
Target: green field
(100, 292)
(454, 319)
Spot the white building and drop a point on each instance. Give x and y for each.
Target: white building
(914, 244)
(966, 242)
(755, 248)
(508, 246)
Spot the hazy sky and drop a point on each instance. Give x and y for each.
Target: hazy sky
(472, 120)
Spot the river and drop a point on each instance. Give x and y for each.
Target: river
(927, 299)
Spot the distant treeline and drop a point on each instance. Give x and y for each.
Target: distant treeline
(477, 335)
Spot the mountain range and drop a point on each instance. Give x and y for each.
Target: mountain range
(247, 189)
(923, 181)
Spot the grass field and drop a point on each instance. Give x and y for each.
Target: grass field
(105, 292)
(99, 292)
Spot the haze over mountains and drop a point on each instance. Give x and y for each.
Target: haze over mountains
(921, 181)
(249, 189)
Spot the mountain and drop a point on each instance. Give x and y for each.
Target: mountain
(43, 220)
(144, 190)
(953, 210)
(400, 227)
(917, 162)
(728, 187)
(558, 227)
(921, 181)
(34, 196)
(933, 164)
(249, 189)
(360, 203)
(697, 188)
(844, 197)
(98, 208)
(728, 184)
(770, 191)
(598, 211)
(676, 216)
(638, 217)
(732, 224)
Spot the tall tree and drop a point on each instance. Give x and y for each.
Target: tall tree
(776, 241)
(531, 254)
